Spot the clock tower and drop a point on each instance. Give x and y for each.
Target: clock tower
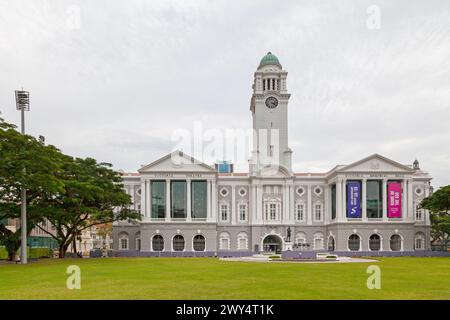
(269, 107)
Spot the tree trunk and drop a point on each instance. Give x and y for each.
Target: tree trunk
(62, 250)
(11, 250)
(74, 245)
(11, 256)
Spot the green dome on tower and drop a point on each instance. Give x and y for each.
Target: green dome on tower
(269, 59)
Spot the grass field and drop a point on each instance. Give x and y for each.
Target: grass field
(209, 278)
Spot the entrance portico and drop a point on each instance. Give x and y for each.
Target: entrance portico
(272, 244)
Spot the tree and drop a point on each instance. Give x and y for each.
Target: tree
(93, 195)
(438, 204)
(26, 163)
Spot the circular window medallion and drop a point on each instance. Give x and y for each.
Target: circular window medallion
(419, 191)
(242, 192)
(223, 192)
(318, 191)
(300, 191)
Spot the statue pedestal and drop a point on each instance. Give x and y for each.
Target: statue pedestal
(288, 246)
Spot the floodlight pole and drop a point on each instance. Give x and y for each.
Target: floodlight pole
(23, 209)
(23, 104)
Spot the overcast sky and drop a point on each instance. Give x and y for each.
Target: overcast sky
(114, 79)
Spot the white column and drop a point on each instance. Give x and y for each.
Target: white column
(168, 200)
(326, 206)
(252, 203)
(410, 203)
(143, 197)
(285, 205)
(405, 200)
(259, 208)
(213, 214)
(385, 199)
(233, 205)
(364, 200)
(291, 204)
(338, 200)
(148, 198)
(344, 200)
(309, 207)
(188, 200)
(426, 212)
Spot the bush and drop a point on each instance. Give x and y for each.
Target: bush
(274, 257)
(33, 253)
(36, 253)
(3, 253)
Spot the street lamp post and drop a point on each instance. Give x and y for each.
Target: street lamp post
(23, 104)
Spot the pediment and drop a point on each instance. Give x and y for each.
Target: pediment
(376, 163)
(177, 161)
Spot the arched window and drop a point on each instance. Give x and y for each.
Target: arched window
(158, 243)
(123, 241)
(199, 243)
(419, 241)
(224, 241)
(396, 243)
(242, 241)
(374, 242)
(318, 241)
(331, 243)
(178, 243)
(354, 242)
(300, 240)
(138, 241)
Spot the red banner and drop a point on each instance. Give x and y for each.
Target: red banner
(394, 201)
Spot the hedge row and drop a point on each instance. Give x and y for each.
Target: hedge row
(33, 253)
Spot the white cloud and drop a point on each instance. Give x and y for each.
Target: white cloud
(135, 71)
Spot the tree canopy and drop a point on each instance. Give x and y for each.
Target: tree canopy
(72, 193)
(438, 203)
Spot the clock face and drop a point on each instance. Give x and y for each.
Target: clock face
(271, 102)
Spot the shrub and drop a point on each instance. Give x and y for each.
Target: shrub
(33, 253)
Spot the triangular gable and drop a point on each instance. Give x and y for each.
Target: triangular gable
(177, 161)
(376, 163)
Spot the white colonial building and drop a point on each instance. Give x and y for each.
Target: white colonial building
(190, 208)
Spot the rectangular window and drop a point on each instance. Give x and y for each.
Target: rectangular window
(318, 212)
(224, 212)
(199, 199)
(300, 211)
(242, 212)
(123, 244)
(273, 211)
(333, 201)
(178, 199)
(158, 189)
(374, 199)
(419, 213)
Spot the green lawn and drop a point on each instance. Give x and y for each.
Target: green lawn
(209, 278)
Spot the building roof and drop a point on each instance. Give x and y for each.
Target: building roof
(269, 59)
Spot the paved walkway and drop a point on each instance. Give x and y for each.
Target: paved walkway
(261, 258)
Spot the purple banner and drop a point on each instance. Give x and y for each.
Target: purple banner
(353, 199)
(394, 205)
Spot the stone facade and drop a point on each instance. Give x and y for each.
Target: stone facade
(251, 212)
